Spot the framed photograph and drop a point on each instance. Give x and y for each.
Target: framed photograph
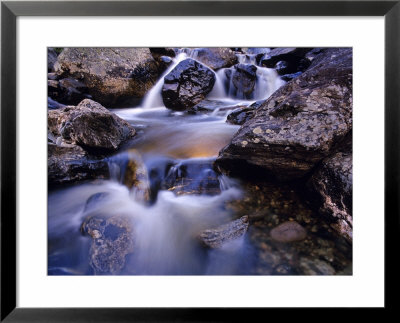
(196, 158)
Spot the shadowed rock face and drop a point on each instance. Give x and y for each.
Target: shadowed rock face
(113, 76)
(215, 238)
(333, 181)
(71, 164)
(89, 125)
(302, 123)
(187, 84)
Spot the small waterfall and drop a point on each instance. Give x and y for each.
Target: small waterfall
(153, 98)
(268, 81)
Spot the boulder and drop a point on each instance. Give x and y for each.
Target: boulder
(215, 57)
(217, 237)
(333, 182)
(302, 123)
(112, 241)
(289, 54)
(113, 76)
(89, 125)
(187, 84)
(68, 164)
(241, 115)
(244, 80)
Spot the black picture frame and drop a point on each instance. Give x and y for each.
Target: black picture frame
(10, 10)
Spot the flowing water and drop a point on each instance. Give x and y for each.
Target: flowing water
(177, 151)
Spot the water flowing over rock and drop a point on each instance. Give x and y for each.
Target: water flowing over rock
(215, 58)
(113, 76)
(112, 242)
(136, 177)
(244, 79)
(241, 115)
(302, 123)
(187, 84)
(288, 232)
(215, 238)
(89, 125)
(333, 182)
(72, 164)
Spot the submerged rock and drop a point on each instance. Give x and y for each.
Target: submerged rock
(192, 177)
(288, 232)
(210, 106)
(243, 114)
(89, 125)
(113, 76)
(215, 57)
(72, 164)
(333, 182)
(187, 84)
(302, 123)
(112, 242)
(215, 238)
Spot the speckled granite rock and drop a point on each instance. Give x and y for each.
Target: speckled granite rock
(299, 125)
(113, 76)
(333, 181)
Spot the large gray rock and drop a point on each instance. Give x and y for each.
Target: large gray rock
(215, 57)
(89, 125)
(113, 76)
(69, 164)
(302, 123)
(333, 181)
(187, 84)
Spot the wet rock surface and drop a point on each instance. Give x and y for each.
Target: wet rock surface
(187, 84)
(112, 241)
(213, 106)
(192, 177)
(333, 182)
(244, 79)
(216, 57)
(299, 125)
(112, 76)
(71, 164)
(89, 125)
(67, 90)
(241, 115)
(136, 177)
(217, 237)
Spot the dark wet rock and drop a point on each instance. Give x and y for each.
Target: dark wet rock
(282, 68)
(113, 76)
(257, 52)
(158, 52)
(67, 90)
(187, 84)
(89, 125)
(333, 182)
(244, 79)
(288, 232)
(209, 106)
(192, 177)
(215, 57)
(68, 164)
(290, 55)
(112, 241)
(51, 59)
(302, 123)
(240, 116)
(289, 77)
(217, 237)
(136, 177)
(52, 104)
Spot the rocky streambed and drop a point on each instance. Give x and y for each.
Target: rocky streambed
(200, 161)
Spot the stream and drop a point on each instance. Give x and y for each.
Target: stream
(186, 196)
